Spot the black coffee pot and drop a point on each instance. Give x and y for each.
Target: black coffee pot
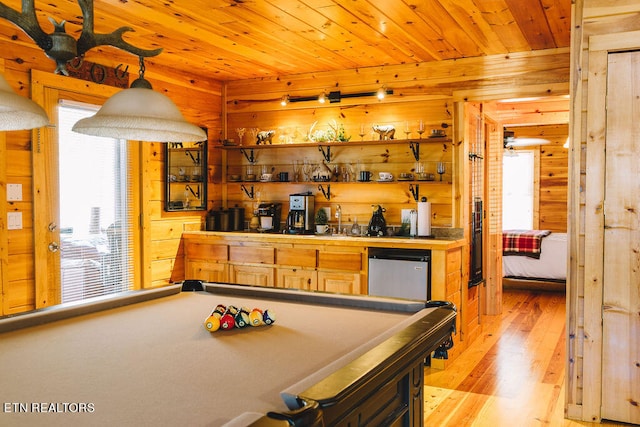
(377, 224)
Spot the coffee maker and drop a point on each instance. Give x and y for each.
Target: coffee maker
(269, 214)
(301, 211)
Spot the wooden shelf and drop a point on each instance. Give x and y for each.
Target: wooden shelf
(336, 144)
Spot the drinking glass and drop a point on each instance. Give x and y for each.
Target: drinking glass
(440, 169)
(240, 132)
(362, 132)
(296, 170)
(407, 129)
(420, 128)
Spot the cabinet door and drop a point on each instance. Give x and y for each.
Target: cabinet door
(251, 275)
(207, 271)
(297, 278)
(339, 282)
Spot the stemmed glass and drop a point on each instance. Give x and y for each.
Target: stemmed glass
(240, 132)
(307, 168)
(407, 129)
(440, 168)
(254, 133)
(362, 132)
(296, 170)
(420, 128)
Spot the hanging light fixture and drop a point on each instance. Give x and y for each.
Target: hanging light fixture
(18, 112)
(140, 113)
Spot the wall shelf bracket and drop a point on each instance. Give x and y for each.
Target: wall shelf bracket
(250, 157)
(326, 194)
(327, 154)
(415, 191)
(250, 194)
(415, 149)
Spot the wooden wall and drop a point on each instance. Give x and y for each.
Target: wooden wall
(615, 22)
(421, 91)
(199, 99)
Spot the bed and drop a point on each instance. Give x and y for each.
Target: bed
(534, 259)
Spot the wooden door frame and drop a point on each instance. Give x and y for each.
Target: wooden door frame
(47, 280)
(596, 125)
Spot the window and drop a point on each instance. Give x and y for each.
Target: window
(94, 199)
(517, 190)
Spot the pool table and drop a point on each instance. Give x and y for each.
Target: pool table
(145, 358)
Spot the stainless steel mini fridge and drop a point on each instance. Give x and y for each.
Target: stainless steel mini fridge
(400, 273)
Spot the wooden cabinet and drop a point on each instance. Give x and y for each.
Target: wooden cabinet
(185, 176)
(297, 278)
(251, 275)
(206, 261)
(340, 282)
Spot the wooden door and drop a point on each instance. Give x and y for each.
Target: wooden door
(621, 278)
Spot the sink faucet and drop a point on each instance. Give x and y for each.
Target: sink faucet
(339, 216)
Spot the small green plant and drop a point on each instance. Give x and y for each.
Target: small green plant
(321, 217)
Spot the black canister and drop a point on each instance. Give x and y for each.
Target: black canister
(236, 218)
(225, 224)
(212, 221)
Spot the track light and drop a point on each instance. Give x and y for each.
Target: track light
(336, 96)
(284, 101)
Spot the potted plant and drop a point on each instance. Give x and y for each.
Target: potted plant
(321, 221)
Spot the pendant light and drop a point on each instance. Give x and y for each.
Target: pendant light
(18, 112)
(140, 113)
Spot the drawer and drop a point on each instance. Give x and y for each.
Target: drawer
(350, 261)
(252, 254)
(296, 257)
(206, 251)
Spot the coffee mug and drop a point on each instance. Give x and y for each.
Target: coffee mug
(322, 229)
(284, 176)
(385, 176)
(266, 177)
(365, 175)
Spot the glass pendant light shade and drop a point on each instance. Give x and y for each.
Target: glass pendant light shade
(139, 113)
(18, 112)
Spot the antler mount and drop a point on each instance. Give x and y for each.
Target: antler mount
(62, 47)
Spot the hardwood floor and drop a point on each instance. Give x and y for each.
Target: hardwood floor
(512, 375)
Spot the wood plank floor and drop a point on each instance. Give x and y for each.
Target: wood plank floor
(512, 375)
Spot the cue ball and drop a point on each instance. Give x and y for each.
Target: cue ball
(227, 322)
(268, 317)
(212, 323)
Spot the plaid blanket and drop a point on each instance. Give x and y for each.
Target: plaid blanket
(523, 242)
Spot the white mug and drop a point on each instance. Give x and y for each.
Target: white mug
(385, 176)
(322, 229)
(266, 177)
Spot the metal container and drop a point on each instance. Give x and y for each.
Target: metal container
(236, 218)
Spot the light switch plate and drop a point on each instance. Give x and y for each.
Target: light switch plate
(14, 221)
(14, 192)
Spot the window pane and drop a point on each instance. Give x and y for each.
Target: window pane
(94, 206)
(517, 191)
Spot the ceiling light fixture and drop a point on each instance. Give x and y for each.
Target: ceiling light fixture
(322, 98)
(18, 112)
(136, 113)
(140, 113)
(381, 93)
(284, 100)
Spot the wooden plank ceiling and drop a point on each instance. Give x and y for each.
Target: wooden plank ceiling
(240, 39)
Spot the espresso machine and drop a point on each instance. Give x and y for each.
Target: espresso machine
(269, 214)
(301, 212)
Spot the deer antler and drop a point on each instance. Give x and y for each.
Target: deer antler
(59, 45)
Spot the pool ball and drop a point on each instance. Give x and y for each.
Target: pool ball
(255, 317)
(268, 317)
(241, 318)
(227, 322)
(219, 311)
(212, 323)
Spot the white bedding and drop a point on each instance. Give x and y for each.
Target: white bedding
(551, 265)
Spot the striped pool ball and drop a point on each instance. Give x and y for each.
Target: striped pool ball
(219, 311)
(268, 317)
(241, 318)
